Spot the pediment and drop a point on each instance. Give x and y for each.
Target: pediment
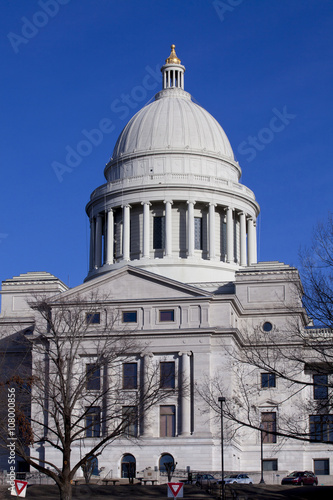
(131, 283)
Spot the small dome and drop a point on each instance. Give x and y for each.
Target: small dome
(173, 122)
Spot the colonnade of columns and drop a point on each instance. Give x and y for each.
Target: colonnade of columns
(173, 77)
(102, 230)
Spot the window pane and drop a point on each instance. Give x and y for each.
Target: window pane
(320, 388)
(268, 422)
(321, 467)
(167, 421)
(130, 379)
(130, 415)
(198, 233)
(167, 315)
(270, 465)
(267, 380)
(321, 428)
(93, 377)
(158, 238)
(93, 318)
(93, 422)
(129, 317)
(167, 375)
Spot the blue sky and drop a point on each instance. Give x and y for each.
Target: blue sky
(67, 65)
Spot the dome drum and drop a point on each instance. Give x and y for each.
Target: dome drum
(172, 232)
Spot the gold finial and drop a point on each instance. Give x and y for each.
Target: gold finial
(172, 59)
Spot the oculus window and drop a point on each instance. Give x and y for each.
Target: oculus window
(267, 326)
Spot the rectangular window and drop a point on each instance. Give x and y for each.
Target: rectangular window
(168, 315)
(321, 466)
(93, 422)
(321, 428)
(198, 233)
(267, 380)
(167, 421)
(270, 464)
(159, 231)
(130, 418)
(268, 424)
(320, 387)
(93, 377)
(93, 318)
(129, 317)
(130, 376)
(167, 375)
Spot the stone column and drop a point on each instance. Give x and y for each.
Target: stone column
(190, 228)
(147, 375)
(230, 236)
(243, 239)
(168, 228)
(185, 401)
(126, 232)
(211, 217)
(110, 237)
(146, 230)
(255, 242)
(98, 241)
(92, 244)
(251, 245)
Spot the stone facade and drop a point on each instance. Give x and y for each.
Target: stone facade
(173, 231)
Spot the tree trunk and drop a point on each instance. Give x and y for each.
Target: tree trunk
(65, 490)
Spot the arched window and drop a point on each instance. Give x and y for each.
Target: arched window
(167, 464)
(128, 466)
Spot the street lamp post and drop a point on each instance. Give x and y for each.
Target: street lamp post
(262, 453)
(221, 401)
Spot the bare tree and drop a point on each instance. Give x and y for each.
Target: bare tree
(299, 355)
(76, 387)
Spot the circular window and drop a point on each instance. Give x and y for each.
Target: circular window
(267, 326)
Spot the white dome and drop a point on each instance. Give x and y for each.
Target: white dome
(173, 122)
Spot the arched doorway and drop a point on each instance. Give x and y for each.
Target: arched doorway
(128, 466)
(167, 465)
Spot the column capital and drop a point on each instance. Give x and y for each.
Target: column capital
(185, 353)
(109, 209)
(126, 206)
(146, 203)
(146, 355)
(211, 204)
(229, 207)
(168, 201)
(190, 201)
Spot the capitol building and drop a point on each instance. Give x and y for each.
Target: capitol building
(173, 249)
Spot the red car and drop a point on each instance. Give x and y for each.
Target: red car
(300, 478)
